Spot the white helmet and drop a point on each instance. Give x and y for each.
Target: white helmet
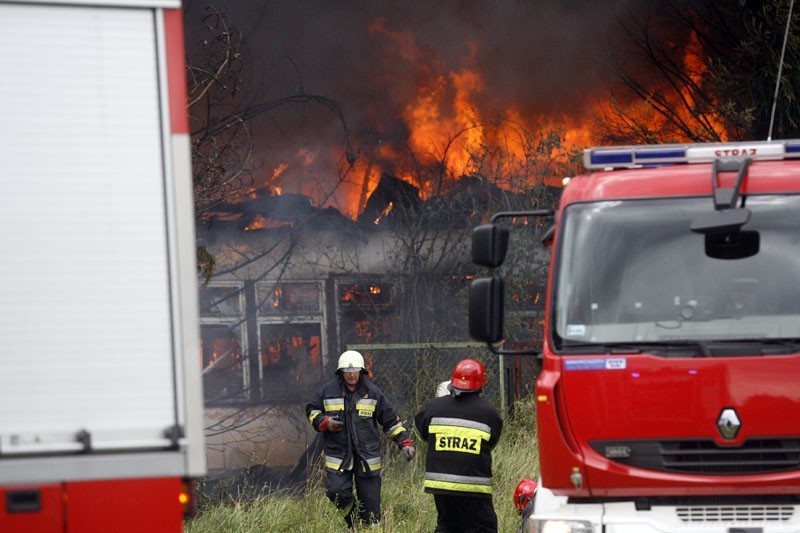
(351, 360)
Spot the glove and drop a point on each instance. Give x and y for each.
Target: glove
(407, 447)
(329, 423)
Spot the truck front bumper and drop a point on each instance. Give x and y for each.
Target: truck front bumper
(552, 514)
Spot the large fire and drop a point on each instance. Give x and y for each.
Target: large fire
(451, 132)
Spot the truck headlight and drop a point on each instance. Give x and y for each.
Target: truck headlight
(561, 526)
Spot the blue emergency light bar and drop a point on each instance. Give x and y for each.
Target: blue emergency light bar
(668, 154)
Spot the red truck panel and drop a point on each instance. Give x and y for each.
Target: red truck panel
(31, 509)
(124, 506)
(658, 398)
(121, 506)
(176, 70)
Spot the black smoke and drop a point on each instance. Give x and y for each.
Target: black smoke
(542, 58)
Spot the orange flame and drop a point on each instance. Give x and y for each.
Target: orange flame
(697, 70)
(277, 171)
(677, 99)
(447, 128)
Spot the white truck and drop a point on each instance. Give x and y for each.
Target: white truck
(100, 389)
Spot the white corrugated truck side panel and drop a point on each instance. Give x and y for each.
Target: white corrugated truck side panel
(97, 274)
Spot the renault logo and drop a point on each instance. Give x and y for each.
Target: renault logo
(729, 424)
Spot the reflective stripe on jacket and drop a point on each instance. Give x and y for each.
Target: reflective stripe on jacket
(362, 411)
(461, 433)
(454, 483)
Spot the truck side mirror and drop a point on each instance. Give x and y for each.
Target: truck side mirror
(733, 245)
(489, 245)
(486, 309)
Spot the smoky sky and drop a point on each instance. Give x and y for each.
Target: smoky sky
(541, 57)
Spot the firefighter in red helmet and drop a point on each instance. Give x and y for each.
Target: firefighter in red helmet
(461, 430)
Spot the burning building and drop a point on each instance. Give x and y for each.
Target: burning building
(442, 128)
(291, 292)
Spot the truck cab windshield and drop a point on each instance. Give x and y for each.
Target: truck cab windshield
(632, 272)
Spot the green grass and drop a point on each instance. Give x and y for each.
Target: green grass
(405, 507)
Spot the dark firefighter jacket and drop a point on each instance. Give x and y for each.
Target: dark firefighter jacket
(461, 433)
(361, 411)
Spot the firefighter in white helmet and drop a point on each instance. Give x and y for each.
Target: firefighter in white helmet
(347, 410)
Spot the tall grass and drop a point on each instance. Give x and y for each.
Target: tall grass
(405, 507)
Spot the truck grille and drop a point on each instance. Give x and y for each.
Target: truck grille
(704, 456)
(738, 513)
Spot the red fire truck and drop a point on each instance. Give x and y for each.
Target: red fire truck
(101, 422)
(668, 396)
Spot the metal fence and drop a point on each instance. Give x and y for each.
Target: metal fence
(409, 373)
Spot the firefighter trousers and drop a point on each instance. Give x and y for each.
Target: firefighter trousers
(464, 514)
(367, 505)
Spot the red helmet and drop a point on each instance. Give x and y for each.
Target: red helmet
(523, 494)
(468, 375)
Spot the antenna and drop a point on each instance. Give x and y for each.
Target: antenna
(780, 68)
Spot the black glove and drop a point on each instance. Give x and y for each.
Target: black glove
(330, 423)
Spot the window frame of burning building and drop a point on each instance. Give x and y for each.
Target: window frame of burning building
(355, 316)
(222, 325)
(290, 322)
(248, 315)
(377, 291)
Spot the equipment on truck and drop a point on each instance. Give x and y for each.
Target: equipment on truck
(101, 421)
(524, 493)
(667, 398)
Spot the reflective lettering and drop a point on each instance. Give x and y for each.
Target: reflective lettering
(736, 152)
(451, 443)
